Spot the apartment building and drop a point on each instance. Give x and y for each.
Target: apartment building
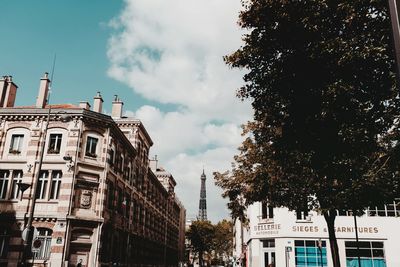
(97, 203)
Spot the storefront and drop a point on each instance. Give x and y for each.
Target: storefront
(277, 237)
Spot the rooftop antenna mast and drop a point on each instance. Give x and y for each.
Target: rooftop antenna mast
(51, 78)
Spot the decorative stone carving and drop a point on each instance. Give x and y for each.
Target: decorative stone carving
(86, 199)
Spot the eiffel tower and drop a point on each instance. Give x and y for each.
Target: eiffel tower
(203, 202)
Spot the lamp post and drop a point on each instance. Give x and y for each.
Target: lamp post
(320, 250)
(29, 229)
(358, 245)
(394, 17)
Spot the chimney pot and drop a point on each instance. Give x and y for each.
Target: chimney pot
(8, 92)
(84, 105)
(43, 91)
(117, 107)
(98, 103)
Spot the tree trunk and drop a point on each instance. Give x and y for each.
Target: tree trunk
(200, 258)
(330, 221)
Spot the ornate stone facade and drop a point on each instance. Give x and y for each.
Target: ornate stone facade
(97, 201)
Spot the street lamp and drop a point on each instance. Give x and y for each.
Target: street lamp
(29, 229)
(356, 230)
(394, 17)
(320, 250)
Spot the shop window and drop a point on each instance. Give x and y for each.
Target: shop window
(54, 144)
(267, 211)
(4, 242)
(91, 146)
(4, 181)
(44, 251)
(16, 178)
(310, 253)
(16, 144)
(372, 254)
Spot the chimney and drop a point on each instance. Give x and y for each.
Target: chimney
(41, 100)
(117, 108)
(8, 91)
(98, 103)
(84, 105)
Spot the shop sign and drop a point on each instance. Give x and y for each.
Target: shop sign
(339, 229)
(267, 229)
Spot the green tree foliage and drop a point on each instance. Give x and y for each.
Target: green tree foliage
(216, 240)
(223, 240)
(201, 235)
(326, 108)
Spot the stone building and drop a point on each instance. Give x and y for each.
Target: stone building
(97, 200)
(279, 237)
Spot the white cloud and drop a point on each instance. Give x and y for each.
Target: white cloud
(171, 52)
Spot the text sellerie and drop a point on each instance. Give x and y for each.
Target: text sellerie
(267, 227)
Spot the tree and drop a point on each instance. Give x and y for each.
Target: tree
(201, 235)
(223, 240)
(326, 108)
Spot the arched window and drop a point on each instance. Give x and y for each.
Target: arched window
(16, 142)
(43, 253)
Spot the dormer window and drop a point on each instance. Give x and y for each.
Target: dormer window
(91, 147)
(16, 144)
(267, 211)
(302, 215)
(54, 144)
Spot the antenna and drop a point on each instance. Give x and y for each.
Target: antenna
(51, 77)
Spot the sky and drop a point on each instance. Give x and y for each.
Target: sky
(164, 59)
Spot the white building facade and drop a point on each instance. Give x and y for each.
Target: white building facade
(283, 238)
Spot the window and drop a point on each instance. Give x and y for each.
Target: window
(129, 173)
(16, 144)
(391, 209)
(302, 215)
(268, 243)
(55, 184)
(310, 253)
(120, 201)
(372, 254)
(112, 156)
(54, 144)
(44, 251)
(127, 201)
(91, 145)
(4, 180)
(110, 197)
(267, 212)
(42, 185)
(17, 178)
(4, 242)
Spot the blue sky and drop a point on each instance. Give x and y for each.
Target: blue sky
(164, 60)
(77, 32)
